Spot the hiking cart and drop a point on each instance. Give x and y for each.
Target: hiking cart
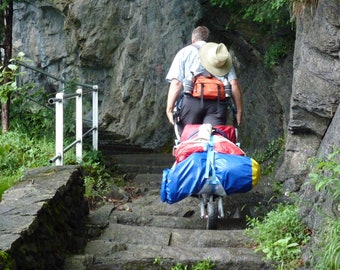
(212, 192)
(211, 204)
(210, 165)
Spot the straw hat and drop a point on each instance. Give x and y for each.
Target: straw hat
(215, 58)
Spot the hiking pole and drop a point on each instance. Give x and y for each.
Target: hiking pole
(235, 124)
(175, 115)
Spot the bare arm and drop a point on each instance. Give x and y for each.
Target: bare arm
(174, 91)
(236, 95)
(173, 94)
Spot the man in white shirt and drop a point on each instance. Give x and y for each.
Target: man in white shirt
(200, 57)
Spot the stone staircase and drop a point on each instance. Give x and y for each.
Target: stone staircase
(144, 233)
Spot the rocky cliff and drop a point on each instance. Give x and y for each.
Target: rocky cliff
(314, 112)
(126, 47)
(315, 88)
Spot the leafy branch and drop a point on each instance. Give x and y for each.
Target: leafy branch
(8, 73)
(325, 174)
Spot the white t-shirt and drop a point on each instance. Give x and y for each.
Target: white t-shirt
(186, 64)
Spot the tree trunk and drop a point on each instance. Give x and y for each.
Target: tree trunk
(7, 46)
(5, 116)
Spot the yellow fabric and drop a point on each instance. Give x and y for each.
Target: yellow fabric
(256, 172)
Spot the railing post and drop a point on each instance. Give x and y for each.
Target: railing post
(95, 117)
(59, 118)
(59, 129)
(79, 125)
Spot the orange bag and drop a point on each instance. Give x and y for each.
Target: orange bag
(208, 88)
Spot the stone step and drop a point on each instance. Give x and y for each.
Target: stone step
(131, 158)
(110, 143)
(136, 247)
(146, 158)
(146, 233)
(108, 148)
(143, 163)
(175, 237)
(150, 257)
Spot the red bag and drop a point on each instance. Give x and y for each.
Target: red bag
(221, 145)
(224, 142)
(190, 131)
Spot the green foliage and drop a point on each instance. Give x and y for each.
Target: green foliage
(98, 178)
(6, 262)
(279, 236)
(157, 261)
(327, 253)
(6, 181)
(7, 79)
(29, 114)
(206, 264)
(273, 18)
(270, 14)
(4, 4)
(325, 174)
(31, 144)
(278, 188)
(221, 3)
(19, 152)
(277, 50)
(270, 155)
(179, 266)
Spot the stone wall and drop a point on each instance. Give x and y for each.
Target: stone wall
(41, 217)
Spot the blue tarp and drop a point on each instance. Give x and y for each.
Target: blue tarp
(237, 174)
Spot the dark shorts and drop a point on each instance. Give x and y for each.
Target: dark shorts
(194, 111)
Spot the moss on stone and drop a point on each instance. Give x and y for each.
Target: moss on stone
(6, 261)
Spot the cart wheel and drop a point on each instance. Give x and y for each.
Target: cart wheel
(212, 215)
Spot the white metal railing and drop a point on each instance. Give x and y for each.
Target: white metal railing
(59, 115)
(59, 124)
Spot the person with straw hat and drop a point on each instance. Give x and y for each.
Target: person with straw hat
(209, 59)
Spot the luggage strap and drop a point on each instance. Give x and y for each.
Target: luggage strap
(210, 172)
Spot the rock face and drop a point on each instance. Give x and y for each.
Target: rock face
(126, 47)
(314, 115)
(316, 86)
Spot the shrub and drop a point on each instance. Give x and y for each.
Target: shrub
(206, 264)
(325, 175)
(279, 236)
(269, 157)
(19, 152)
(327, 251)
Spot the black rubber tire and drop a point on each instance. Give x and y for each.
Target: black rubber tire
(212, 216)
